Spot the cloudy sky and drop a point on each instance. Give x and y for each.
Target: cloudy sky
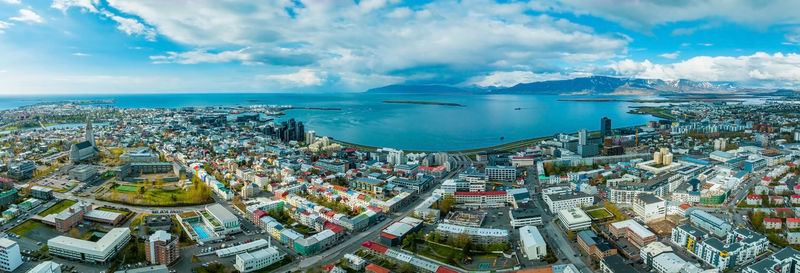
(124, 46)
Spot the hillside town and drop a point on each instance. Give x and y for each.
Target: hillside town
(703, 187)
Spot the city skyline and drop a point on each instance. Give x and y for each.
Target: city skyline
(91, 46)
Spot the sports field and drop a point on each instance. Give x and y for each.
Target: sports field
(127, 188)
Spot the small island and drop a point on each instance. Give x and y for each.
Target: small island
(424, 102)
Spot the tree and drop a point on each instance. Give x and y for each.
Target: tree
(447, 203)
(74, 232)
(405, 268)
(159, 181)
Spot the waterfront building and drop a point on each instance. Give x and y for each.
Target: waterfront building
(605, 127)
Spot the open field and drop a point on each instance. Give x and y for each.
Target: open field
(173, 196)
(127, 188)
(58, 207)
(25, 227)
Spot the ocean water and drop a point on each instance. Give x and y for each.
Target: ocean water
(366, 119)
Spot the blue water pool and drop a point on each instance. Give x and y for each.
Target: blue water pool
(201, 232)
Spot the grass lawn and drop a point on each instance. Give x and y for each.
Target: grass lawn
(25, 227)
(58, 207)
(160, 197)
(127, 188)
(599, 213)
(112, 210)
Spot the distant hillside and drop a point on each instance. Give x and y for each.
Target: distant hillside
(595, 85)
(601, 85)
(422, 88)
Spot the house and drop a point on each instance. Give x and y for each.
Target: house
(776, 200)
(772, 223)
(795, 199)
(754, 200)
(793, 223)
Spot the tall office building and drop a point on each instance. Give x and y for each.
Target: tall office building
(605, 127)
(300, 133)
(582, 137)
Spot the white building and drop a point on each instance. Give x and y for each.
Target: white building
(501, 173)
(225, 217)
(533, 245)
(94, 252)
(252, 261)
(574, 219)
(10, 258)
(649, 207)
(561, 201)
(671, 263)
(46, 267)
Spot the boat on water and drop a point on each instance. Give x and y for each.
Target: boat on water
(518, 108)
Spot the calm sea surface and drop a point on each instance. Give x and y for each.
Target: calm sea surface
(365, 119)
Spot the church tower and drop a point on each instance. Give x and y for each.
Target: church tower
(89, 132)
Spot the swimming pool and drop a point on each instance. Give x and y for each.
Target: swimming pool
(201, 232)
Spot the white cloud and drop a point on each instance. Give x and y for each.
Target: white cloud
(81, 54)
(12, 1)
(301, 78)
(511, 78)
(4, 25)
(644, 14)
(132, 26)
(759, 69)
(672, 55)
(202, 56)
(26, 15)
(455, 38)
(84, 5)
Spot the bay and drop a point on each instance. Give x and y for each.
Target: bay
(366, 119)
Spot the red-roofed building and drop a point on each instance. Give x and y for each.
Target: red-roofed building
(443, 269)
(795, 199)
(772, 223)
(793, 222)
(754, 199)
(257, 214)
(374, 268)
(377, 248)
(786, 211)
(481, 197)
(796, 189)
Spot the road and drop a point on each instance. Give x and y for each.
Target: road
(352, 244)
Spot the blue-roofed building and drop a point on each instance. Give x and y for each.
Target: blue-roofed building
(693, 160)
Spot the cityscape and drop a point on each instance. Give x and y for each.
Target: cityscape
(448, 136)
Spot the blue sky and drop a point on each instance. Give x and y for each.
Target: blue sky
(127, 46)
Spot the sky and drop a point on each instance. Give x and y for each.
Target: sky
(319, 46)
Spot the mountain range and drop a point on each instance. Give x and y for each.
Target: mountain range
(594, 85)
